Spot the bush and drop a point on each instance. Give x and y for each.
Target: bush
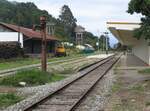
(31, 77)
(145, 71)
(7, 99)
(10, 50)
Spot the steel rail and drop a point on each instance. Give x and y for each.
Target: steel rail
(97, 64)
(90, 89)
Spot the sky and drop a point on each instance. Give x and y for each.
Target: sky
(91, 14)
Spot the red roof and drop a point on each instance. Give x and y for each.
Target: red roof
(28, 32)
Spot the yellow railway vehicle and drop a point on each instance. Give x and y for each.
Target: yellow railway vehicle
(60, 50)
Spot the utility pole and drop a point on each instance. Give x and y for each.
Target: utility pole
(98, 45)
(44, 51)
(18, 17)
(103, 43)
(106, 37)
(98, 38)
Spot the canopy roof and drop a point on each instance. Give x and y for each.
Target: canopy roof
(123, 31)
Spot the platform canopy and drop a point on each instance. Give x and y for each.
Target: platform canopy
(123, 31)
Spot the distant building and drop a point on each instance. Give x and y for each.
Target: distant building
(29, 39)
(79, 30)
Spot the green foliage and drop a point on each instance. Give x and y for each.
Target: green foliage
(31, 77)
(8, 99)
(59, 32)
(17, 62)
(116, 87)
(141, 7)
(67, 17)
(145, 71)
(120, 47)
(102, 42)
(28, 14)
(90, 39)
(137, 88)
(24, 14)
(10, 50)
(68, 20)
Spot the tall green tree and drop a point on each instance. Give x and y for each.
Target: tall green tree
(24, 14)
(89, 38)
(68, 20)
(141, 7)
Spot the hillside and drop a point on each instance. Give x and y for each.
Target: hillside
(27, 14)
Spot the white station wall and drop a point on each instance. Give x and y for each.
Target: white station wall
(11, 37)
(142, 51)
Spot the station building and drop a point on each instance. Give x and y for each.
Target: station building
(30, 39)
(124, 33)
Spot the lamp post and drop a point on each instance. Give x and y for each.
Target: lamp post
(43, 33)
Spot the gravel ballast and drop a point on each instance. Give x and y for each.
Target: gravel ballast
(40, 92)
(44, 91)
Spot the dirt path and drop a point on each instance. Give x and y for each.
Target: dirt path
(130, 92)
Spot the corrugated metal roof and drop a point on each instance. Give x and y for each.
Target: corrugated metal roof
(28, 32)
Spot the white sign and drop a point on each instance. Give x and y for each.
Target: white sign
(11, 37)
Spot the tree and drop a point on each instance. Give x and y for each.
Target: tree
(102, 42)
(28, 14)
(141, 7)
(89, 38)
(68, 20)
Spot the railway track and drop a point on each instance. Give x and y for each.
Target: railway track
(69, 97)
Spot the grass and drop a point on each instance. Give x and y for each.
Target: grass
(18, 62)
(145, 71)
(32, 77)
(137, 88)
(116, 87)
(7, 99)
(67, 71)
(122, 107)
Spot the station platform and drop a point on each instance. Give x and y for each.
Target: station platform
(130, 61)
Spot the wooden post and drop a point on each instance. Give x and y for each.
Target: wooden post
(44, 43)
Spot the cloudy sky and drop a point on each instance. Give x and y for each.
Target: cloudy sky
(91, 14)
